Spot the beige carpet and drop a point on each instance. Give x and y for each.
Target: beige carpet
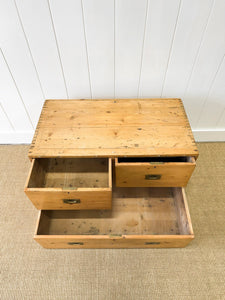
(29, 271)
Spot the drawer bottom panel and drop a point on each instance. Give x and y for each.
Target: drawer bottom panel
(140, 218)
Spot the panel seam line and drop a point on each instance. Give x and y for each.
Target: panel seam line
(29, 49)
(142, 52)
(85, 38)
(20, 96)
(171, 47)
(58, 51)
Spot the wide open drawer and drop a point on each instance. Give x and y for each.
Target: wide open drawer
(153, 171)
(70, 183)
(140, 218)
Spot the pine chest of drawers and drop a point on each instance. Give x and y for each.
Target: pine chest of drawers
(110, 174)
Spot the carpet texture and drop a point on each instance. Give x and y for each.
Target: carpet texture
(29, 271)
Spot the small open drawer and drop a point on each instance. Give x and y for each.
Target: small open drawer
(153, 171)
(140, 218)
(70, 183)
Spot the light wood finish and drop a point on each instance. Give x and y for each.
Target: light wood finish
(113, 128)
(76, 183)
(140, 218)
(72, 180)
(170, 172)
(182, 210)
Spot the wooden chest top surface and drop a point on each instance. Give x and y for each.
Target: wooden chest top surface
(113, 128)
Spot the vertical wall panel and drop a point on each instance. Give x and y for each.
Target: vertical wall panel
(129, 36)
(4, 122)
(215, 101)
(68, 22)
(16, 51)
(191, 24)
(160, 26)
(11, 100)
(36, 19)
(207, 64)
(221, 122)
(99, 29)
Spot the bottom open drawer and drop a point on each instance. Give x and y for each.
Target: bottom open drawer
(140, 218)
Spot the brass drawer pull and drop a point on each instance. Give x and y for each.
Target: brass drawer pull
(71, 201)
(152, 243)
(152, 177)
(75, 243)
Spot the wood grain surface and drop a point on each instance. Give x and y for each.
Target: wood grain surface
(113, 128)
(167, 174)
(76, 183)
(140, 218)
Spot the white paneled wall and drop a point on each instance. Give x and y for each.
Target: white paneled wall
(54, 49)
(130, 21)
(160, 28)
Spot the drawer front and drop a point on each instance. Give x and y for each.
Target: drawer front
(77, 242)
(70, 184)
(67, 200)
(138, 174)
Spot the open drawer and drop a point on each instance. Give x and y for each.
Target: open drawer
(140, 218)
(70, 183)
(153, 171)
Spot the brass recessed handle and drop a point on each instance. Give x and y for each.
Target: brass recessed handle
(75, 243)
(71, 201)
(152, 243)
(152, 177)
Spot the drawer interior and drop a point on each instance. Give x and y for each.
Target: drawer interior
(177, 159)
(70, 173)
(135, 211)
